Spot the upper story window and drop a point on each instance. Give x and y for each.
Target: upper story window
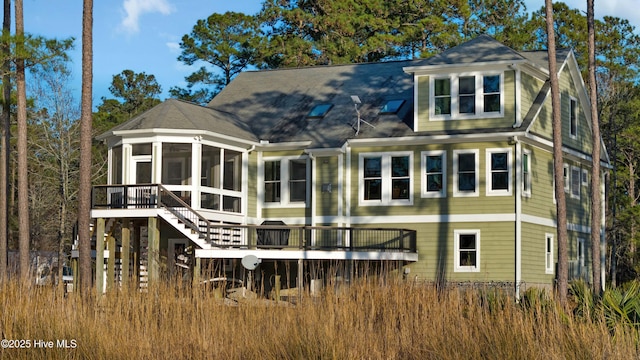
(465, 172)
(285, 181)
(385, 178)
(526, 173)
(461, 96)
(434, 174)
(573, 118)
(498, 171)
(576, 178)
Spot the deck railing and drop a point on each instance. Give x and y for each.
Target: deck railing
(271, 236)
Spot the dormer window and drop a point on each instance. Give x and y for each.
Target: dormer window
(464, 96)
(319, 111)
(391, 106)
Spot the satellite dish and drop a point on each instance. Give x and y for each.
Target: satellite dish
(250, 262)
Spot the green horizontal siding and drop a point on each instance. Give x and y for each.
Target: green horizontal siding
(435, 243)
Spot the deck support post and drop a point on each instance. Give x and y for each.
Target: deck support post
(153, 254)
(111, 262)
(124, 255)
(196, 272)
(136, 255)
(100, 225)
(300, 278)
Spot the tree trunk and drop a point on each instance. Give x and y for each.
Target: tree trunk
(4, 150)
(596, 206)
(21, 147)
(561, 206)
(84, 190)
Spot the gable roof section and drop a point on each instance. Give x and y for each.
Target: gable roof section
(275, 103)
(182, 115)
(481, 49)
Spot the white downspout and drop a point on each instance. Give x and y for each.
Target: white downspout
(518, 218)
(603, 239)
(314, 196)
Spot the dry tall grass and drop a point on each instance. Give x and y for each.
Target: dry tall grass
(365, 321)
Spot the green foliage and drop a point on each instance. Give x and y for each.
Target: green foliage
(227, 42)
(139, 93)
(583, 297)
(536, 300)
(622, 306)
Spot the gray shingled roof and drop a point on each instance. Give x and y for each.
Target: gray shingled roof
(483, 48)
(273, 104)
(182, 115)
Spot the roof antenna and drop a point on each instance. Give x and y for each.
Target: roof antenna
(356, 102)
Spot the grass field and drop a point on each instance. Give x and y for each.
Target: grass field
(365, 321)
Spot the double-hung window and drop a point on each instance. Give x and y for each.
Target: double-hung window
(285, 181)
(434, 173)
(466, 250)
(498, 171)
(465, 173)
(526, 173)
(469, 95)
(548, 254)
(385, 178)
(576, 180)
(573, 118)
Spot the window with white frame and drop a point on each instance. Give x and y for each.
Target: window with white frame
(573, 118)
(585, 177)
(465, 172)
(548, 254)
(469, 95)
(566, 177)
(285, 181)
(466, 250)
(385, 178)
(434, 173)
(580, 253)
(576, 175)
(526, 172)
(498, 171)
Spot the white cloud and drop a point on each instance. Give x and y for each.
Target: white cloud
(174, 47)
(134, 9)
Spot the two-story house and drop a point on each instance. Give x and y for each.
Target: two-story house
(438, 169)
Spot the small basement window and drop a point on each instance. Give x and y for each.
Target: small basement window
(319, 111)
(391, 106)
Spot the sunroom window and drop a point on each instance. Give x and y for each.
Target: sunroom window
(221, 179)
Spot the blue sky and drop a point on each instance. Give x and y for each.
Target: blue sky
(144, 35)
